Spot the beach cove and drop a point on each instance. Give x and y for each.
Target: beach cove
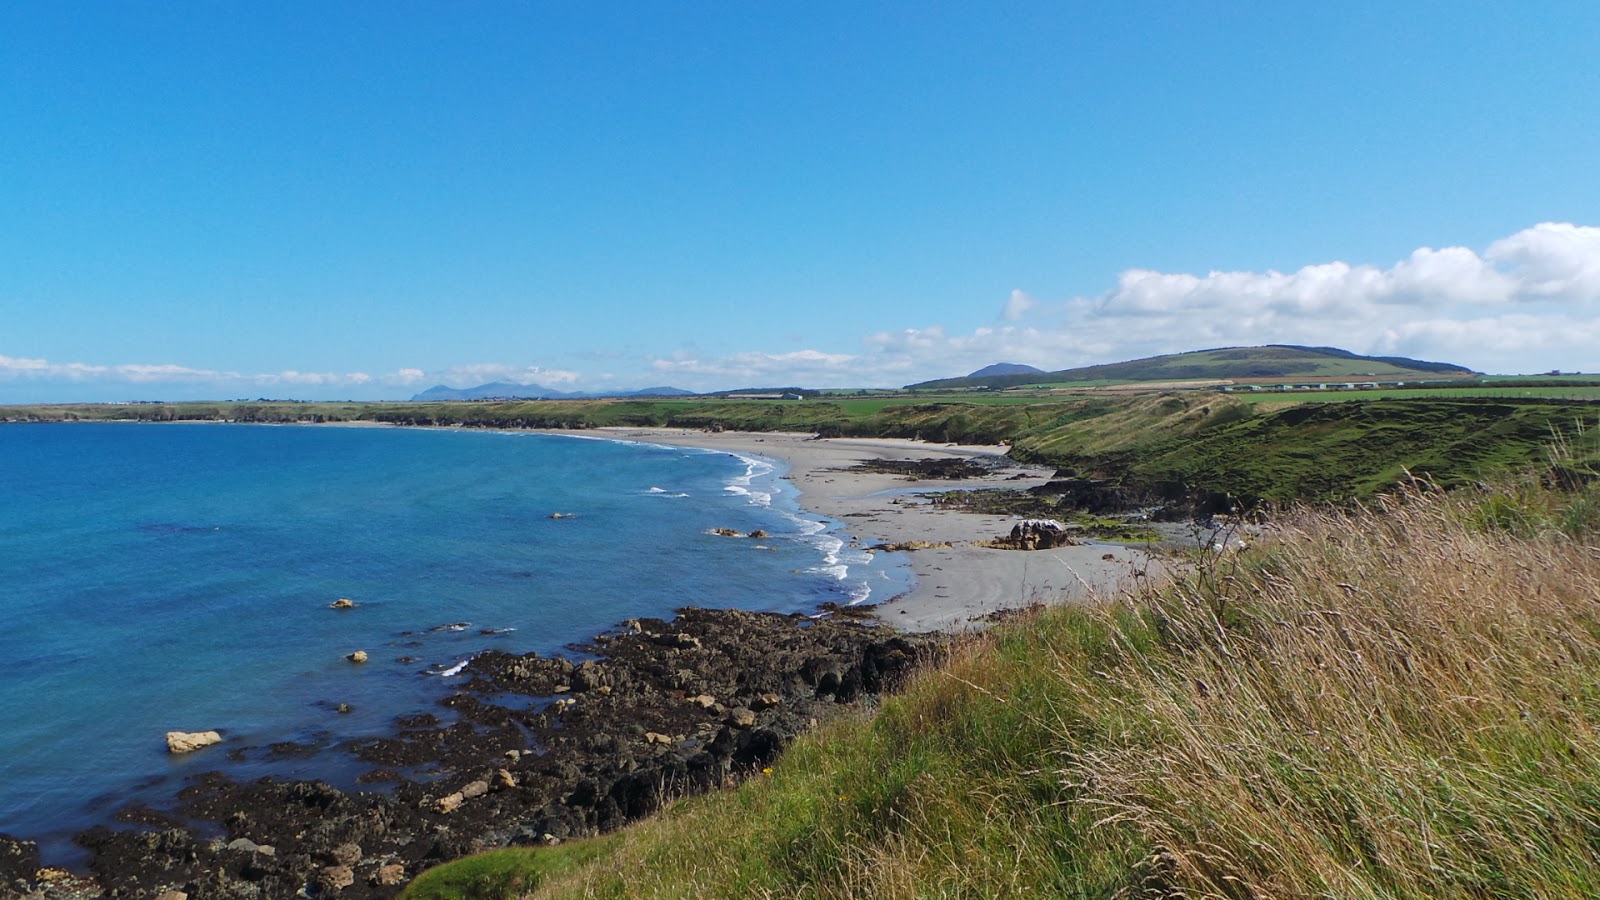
(956, 586)
(668, 709)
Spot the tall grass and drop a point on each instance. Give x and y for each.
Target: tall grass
(1395, 702)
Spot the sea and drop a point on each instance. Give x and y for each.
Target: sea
(178, 577)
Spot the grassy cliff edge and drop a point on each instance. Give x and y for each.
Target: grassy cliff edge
(1401, 701)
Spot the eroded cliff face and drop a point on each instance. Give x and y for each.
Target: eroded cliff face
(530, 750)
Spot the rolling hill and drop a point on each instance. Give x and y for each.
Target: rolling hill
(1270, 361)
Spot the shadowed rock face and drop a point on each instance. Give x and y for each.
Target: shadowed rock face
(540, 749)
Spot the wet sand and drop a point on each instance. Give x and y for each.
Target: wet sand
(957, 584)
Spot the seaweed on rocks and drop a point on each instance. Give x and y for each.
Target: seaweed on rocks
(539, 750)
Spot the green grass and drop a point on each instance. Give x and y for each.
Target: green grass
(503, 873)
(1547, 392)
(1165, 443)
(1400, 702)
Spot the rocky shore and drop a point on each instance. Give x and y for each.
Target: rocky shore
(530, 750)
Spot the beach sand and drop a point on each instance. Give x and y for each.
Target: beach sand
(955, 585)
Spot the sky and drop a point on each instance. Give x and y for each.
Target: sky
(215, 200)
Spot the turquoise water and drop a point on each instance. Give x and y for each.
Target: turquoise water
(177, 577)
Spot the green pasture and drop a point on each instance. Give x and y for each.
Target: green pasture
(1573, 392)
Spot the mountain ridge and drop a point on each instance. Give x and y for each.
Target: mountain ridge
(1265, 361)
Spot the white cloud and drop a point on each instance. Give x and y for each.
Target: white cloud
(1523, 304)
(404, 377)
(1552, 261)
(800, 367)
(1017, 305)
(484, 373)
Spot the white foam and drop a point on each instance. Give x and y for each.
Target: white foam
(455, 669)
(655, 490)
(754, 467)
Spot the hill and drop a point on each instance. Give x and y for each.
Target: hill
(1006, 369)
(1270, 361)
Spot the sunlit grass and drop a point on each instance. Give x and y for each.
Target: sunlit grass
(1399, 702)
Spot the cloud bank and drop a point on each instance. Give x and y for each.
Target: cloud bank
(1525, 303)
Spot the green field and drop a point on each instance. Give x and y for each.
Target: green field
(1167, 445)
(1575, 393)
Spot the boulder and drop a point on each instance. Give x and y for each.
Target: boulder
(190, 741)
(347, 854)
(741, 717)
(474, 789)
(336, 878)
(449, 803)
(651, 737)
(360, 656)
(392, 874)
(342, 603)
(1037, 534)
(704, 701)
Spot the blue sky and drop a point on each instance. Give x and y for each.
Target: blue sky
(360, 200)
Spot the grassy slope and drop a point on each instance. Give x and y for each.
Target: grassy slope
(1401, 703)
(1195, 440)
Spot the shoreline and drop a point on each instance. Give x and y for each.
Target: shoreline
(956, 586)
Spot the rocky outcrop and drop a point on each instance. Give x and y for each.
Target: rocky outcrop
(190, 741)
(1035, 534)
(530, 750)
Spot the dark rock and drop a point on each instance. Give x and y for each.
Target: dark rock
(19, 860)
(519, 771)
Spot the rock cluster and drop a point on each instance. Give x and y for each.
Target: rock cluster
(662, 708)
(1036, 534)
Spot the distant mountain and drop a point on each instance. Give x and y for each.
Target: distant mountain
(502, 390)
(1271, 361)
(1005, 369)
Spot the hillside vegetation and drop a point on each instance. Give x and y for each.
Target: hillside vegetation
(1271, 361)
(1396, 702)
(1168, 445)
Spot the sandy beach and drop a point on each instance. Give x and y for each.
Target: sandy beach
(955, 585)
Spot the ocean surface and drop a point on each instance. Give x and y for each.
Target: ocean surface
(177, 577)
